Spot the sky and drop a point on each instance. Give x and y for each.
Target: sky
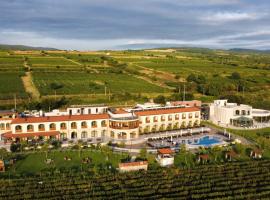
(123, 24)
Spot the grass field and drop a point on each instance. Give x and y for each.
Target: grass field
(11, 84)
(81, 83)
(35, 162)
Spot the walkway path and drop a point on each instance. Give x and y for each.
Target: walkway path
(29, 86)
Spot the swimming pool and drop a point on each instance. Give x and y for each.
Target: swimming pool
(207, 141)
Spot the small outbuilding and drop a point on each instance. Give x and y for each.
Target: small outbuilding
(165, 157)
(133, 166)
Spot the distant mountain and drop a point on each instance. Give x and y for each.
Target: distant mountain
(22, 47)
(249, 50)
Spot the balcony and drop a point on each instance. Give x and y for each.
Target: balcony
(30, 130)
(94, 126)
(63, 128)
(41, 129)
(84, 126)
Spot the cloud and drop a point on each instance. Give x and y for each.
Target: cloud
(100, 24)
(222, 17)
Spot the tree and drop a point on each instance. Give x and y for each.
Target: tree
(160, 99)
(192, 78)
(236, 76)
(143, 153)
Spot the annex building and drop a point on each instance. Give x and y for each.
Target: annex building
(228, 114)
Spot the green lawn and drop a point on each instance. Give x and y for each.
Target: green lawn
(35, 162)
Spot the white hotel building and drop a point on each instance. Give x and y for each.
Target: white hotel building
(93, 122)
(238, 115)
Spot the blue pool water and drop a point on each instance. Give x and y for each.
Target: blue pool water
(207, 141)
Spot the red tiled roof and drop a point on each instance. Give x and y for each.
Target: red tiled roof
(59, 118)
(165, 151)
(166, 111)
(24, 135)
(131, 164)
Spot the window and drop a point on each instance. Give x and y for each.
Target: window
(63, 126)
(84, 134)
(103, 133)
(94, 134)
(18, 128)
(94, 124)
(84, 124)
(73, 125)
(73, 135)
(170, 118)
(237, 112)
(112, 134)
(30, 128)
(41, 127)
(132, 135)
(103, 123)
(52, 126)
(2, 126)
(184, 116)
(147, 120)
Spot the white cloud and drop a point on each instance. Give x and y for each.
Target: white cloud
(222, 17)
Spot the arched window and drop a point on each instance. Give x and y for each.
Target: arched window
(176, 125)
(52, 126)
(132, 135)
(112, 134)
(122, 135)
(103, 133)
(2, 126)
(103, 123)
(7, 126)
(84, 124)
(84, 135)
(183, 125)
(184, 116)
(170, 118)
(73, 125)
(94, 124)
(162, 127)
(63, 126)
(41, 127)
(30, 128)
(73, 135)
(190, 124)
(18, 128)
(154, 128)
(237, 112)
(93, 133)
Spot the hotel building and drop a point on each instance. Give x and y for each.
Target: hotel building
(93, 122)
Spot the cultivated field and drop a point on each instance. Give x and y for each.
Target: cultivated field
(149, 72)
